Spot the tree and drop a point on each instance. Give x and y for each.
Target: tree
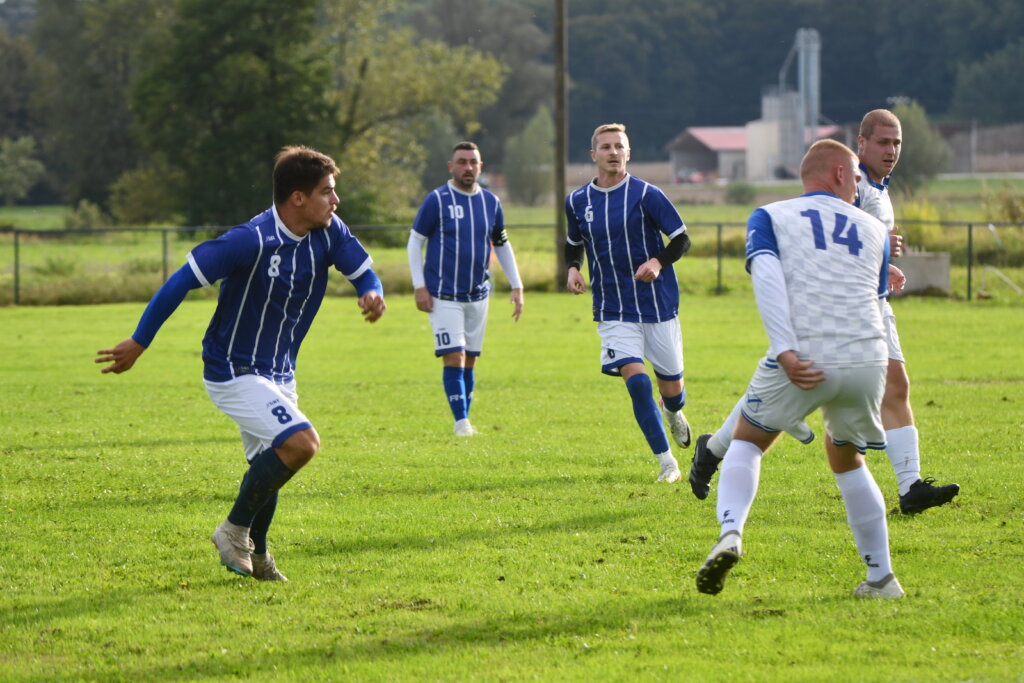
(924, 152)
(229, 85)
(15, 85)
(19, 170)
(529, 175)
(989, 82)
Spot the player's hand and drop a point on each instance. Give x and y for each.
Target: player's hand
(895, 243)
(897, 280)
(122, 357)
(576, 284)
(802, 373)
(424, 302)
(649, 271)
(517, 303)
(373, 306)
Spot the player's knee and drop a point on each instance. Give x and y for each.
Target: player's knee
(299, 448)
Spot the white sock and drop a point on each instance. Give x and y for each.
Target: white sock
(737, 485)
(667, 459)
(719, 442)
(865, 512)
(901, 447)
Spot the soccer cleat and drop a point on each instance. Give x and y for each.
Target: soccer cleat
(235, 547)
(887, 587)
(463, 428)
(670, 473)
(678, 425)
(705, 463)
(264, 568)
(923, 494)
(723, 557)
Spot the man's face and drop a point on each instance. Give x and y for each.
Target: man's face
(465, 168)
(610, 153)
(881, 151)
(318, 206)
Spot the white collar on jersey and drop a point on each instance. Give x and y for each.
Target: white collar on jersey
(452, 187)
(593, 184)
(284, 228)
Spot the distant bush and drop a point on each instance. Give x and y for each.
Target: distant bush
(1006, 205)
(56, 266)
(920, 224)
(86, 216)
(740, 193)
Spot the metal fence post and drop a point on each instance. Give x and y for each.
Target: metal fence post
(17, 267)
(970, 256)
(718, 250)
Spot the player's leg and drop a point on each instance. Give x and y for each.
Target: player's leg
(853, 424)
(902, 443)
(664, 349)
(475, 325)
(447, 320)
(622, 348)
(737, 488)
(263, 410)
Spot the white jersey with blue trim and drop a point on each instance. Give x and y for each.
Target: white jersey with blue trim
(622, 228)
(874, 198)
(272, 284)
(835, 261)
(459, 228)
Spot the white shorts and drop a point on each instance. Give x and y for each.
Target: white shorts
(892, 337)
(458, 326)
(660, 343)
(850, 400)
(266, 413)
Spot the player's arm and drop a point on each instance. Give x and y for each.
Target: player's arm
(167, 299)
(507, 259)
(574, 251)
(672, 252)
(370, 291)
(414, 252)
(664, 215)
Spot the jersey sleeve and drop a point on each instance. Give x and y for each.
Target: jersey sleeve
(218, 258)
(760, 236)
(573, 234)
(429, 216)
(498, 234)
(663, 212)
(347, 253)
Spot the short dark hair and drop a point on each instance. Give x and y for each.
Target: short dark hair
(878, 117)
(465, 144)
(300, 168)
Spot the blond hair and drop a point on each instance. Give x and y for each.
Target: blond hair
(821, 157)
(607, 128)
(877, 117)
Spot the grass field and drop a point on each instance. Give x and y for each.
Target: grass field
(540, 549)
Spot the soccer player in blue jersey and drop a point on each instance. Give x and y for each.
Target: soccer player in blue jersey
(273, 271)
(459, 222)
(618, 220)
(819, 266)
(879, 145)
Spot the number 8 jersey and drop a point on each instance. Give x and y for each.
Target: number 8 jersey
(835, 261)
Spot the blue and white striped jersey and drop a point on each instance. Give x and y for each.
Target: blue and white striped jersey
(874, 198)
(272, 284)
(835, 261)
(621, 227)
(459, 228)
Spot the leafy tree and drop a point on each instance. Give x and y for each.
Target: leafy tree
(148, 195)
(88, 53)
(19, 170)
(231, 83)
(530, 175)
(15, 85)
(988, 83)
(924, 152)
(506, 30)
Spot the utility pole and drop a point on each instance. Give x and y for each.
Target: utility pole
(561, 131)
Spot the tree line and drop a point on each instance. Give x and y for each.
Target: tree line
(158, 111)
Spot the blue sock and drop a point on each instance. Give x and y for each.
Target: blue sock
(265, 476)
(646, 412)
(470, 380)
(261, 524)
(455, 389)
(675, 403)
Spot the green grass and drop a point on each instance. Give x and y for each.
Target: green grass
(540, 549)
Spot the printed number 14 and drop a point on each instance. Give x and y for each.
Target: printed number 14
(841, 234)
